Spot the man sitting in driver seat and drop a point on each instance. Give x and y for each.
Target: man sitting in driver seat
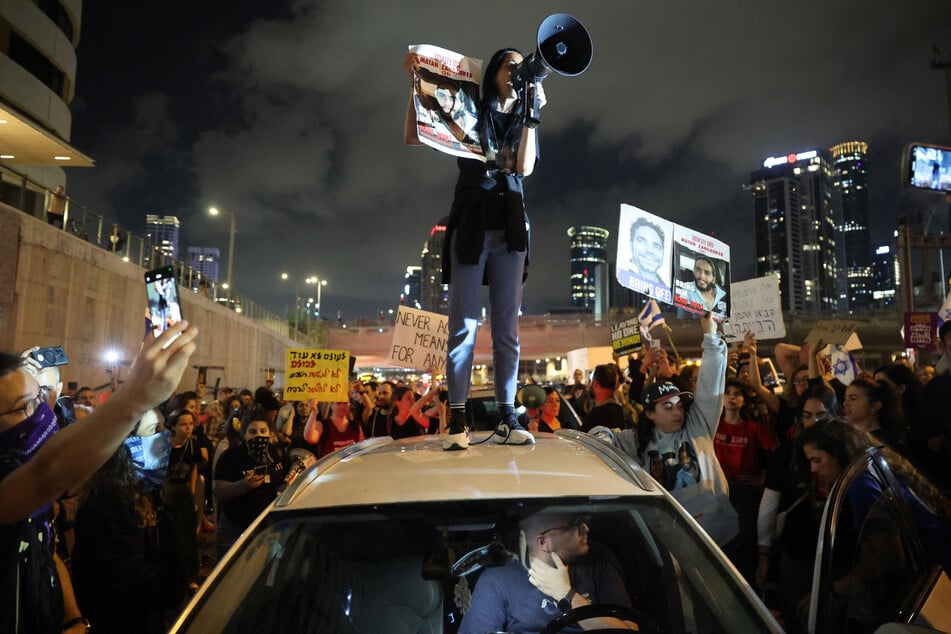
(556, 574)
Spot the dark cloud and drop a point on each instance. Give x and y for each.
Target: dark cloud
(293, 119)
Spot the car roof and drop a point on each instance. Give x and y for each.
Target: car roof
(384, 471)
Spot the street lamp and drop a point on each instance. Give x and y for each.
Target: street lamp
(214, 212)
(285, 276)
(298, 304)
(319, 283)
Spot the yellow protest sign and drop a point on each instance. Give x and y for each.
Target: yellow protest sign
(317, 374)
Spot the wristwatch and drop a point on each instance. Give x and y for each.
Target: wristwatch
(565, 604)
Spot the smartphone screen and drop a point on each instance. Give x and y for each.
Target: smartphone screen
(161, 290)
(927, 167)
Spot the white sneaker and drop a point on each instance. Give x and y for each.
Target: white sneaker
(506, 434)
(456, 442)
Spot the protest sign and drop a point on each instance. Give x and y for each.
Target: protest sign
(672, 263)
(755, 307)
(644, 250)
(701, 273)
(420, 340)
(317, 374)
(838, 332)
(626, 336)
(446, 98)
(920, 330)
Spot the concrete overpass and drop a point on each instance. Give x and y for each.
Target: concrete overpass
(551, 336)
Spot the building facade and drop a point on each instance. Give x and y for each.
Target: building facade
(884, 276)
(161, 232)
(854, 254)
(434, 295)
(794, 221)
(589, 277)
(204, 260)
(412, 294)
(37, 83)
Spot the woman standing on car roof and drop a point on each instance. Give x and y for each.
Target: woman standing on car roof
(487, 242)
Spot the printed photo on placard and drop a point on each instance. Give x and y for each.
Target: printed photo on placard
(701, 273)
(644, 253)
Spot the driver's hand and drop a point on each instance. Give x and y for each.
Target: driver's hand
(552, 581)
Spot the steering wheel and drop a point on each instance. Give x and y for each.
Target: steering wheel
(644, 623)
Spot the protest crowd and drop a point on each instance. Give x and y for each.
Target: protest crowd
(123, 539)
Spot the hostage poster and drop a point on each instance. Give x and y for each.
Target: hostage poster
(672, 263)
(446, 97)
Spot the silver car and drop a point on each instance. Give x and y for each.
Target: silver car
(393, 536)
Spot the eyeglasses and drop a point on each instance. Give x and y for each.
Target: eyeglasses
(800, 381)
(575, 525)
(29, 408)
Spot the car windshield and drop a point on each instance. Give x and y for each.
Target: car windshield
(412, 567)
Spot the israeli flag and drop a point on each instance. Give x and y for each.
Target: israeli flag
(649, 317)
(944, 313)
(844, 366)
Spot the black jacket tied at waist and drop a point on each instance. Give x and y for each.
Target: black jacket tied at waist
(484, 200)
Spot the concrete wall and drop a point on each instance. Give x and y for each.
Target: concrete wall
(56, 289)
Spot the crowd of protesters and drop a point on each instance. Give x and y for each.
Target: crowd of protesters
(755, 463)
(779, 453)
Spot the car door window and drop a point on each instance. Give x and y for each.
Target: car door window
(873, 564)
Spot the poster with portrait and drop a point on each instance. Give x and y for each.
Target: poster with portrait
(701, 273)
(644, 253)
(446, 96)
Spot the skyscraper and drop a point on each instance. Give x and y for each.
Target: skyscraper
(884, 276)
(852, 235)
(589, 271)
(434, 295)
(412, 287)
(795, 229)
(205, 260)
(162, 232)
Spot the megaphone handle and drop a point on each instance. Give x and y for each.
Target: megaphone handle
(531, 117)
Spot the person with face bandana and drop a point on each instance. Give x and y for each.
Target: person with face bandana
(247, 478)
(38, 462)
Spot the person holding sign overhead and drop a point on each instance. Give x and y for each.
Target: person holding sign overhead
(487, 242)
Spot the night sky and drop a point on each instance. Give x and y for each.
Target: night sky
(290, 113)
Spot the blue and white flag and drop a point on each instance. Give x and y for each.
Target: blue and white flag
(649, 317)
(944, 313)
(844, 366)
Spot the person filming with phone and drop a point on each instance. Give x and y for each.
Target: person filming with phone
(247, 478)
(38, 462)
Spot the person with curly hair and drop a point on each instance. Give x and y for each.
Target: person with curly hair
(118, 557)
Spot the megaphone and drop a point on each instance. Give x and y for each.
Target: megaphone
(563, 46)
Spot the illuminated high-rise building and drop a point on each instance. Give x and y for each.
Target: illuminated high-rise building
(885, 276)
(795, 229)
(204, 260)
(161, 232)
(589, 271)
(853, 254)
(434, 295)
(412, 293)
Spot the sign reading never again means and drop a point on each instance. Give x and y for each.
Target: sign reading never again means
(626, 336)
(756, 308)
(321, 375)
(420, 340)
